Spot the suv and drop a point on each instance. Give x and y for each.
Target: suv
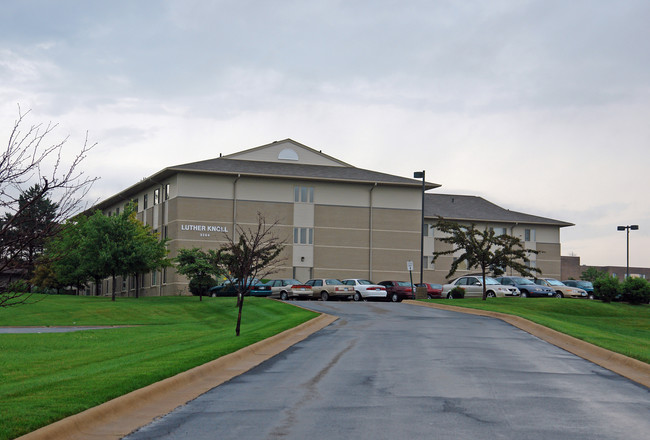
(526, 287)
(326, 288)
(398, 290)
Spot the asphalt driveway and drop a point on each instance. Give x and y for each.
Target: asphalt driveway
(386, 371)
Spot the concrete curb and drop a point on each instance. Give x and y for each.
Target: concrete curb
(633, 369)
(122, 415)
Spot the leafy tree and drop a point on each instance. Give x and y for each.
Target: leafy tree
(484, 250)
(607, 288)
(592, 274)
(145, 251)
(636, 290)
(29, 185)
(255, 254)
(200, 267)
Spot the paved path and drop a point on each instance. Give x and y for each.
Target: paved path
(386, 371)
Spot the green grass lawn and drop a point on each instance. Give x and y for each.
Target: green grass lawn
(617, 327)
(46, 377)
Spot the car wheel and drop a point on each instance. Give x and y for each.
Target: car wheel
(559, 295)
(357, 296)
(324, 296)
(394, 297)
(450, 296)
(591, 296)
(524, 294)
(284, 296)
(491, 294)
(429, 296)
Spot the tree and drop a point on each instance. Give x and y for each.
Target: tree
(254, 254)
(484, 250)
(200, 267)
(592, 274)
(31, 172)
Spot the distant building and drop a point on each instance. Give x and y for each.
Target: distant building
(572, 269)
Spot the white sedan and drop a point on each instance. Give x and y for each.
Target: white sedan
(364, 289)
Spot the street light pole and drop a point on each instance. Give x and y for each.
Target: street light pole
(417, 175)
(627, 228)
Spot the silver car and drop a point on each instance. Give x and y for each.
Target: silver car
(473, 287)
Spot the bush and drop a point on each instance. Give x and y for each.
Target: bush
(200, 286)
(607, 288)
(636, 291)
(457, 293)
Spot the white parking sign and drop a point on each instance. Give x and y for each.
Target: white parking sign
(409, 265)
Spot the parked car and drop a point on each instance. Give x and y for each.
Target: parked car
(561, 290)
(398, 290)
(364, 289)
(287, 288)
(230, 289)
(433, 290)
(526, 287)
(326, 288)
(473, 287)
(587, 286)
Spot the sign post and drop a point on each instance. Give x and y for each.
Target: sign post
(409, 266)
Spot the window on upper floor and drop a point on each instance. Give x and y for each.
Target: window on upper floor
(529, 235)
(145, 201)
(303, 235)
(156, 196)
(427, 229)
(303, 194)
(167, 189)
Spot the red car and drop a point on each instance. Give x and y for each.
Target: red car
(398, 290)
(433, 290)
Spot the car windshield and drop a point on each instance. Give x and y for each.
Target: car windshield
(519, 280)
(290, 282)
(489, 280)
(585, 284)
(364, 282)
(332, 282)
(553, 282)
(403, 284)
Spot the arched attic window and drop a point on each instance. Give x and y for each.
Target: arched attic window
(288, 154)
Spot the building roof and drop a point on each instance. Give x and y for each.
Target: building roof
(477, 209)
(230, 165)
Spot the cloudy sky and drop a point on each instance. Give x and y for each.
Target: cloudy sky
(539, 106)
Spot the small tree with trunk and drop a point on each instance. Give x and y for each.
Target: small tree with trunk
(201, 267)
(254, 254)
(484, 250)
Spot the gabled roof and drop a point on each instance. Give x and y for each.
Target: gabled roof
(477, 209)
(237, 167)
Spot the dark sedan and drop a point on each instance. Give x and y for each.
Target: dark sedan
(527, 287)
(398, 290)
(228, 288)
(433, 290)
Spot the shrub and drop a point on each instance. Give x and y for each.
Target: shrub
(607, 288)
(201, 285)
(636, 290)
(457, 293)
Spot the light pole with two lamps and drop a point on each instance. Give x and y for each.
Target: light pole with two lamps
(627, 228)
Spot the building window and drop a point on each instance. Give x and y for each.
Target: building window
(167, 192)
(428, 262)
(427, 229)
(529, 235)
(165, 231)
(531, 264)
(164, 275)
(135, 204)
(142, 281)
(303, 194)
(303, 235)
(145, 201)
(117, 211)
(156, 196)
(123, 284)
(154, 278)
